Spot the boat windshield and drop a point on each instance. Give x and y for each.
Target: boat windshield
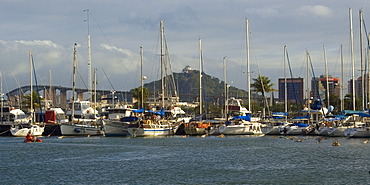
(61, 116)
(21, 116)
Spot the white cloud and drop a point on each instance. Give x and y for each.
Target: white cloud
(46, 43)
(316, 10)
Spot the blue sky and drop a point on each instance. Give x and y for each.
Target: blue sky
(119, 28)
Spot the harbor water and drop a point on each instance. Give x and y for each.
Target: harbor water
(185, 160)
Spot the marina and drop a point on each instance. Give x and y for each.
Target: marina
(190, 160)
(159, 118)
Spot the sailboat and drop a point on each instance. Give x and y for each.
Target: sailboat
(153, 123)
(241, 123)
(197, 126)
(26, 126)
(278, 119)
(82, 116)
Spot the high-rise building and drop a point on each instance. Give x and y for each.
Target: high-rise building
(358, 86)
(319, 86)
(294, 89)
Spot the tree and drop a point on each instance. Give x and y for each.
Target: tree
(334, 101)
(137, 95)
(35, 99)
(262, 85)
(348, 103)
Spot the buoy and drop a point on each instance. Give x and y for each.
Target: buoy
(336, 143)
(221, 135)
(319, 140)
(60, 137)
(204, 135)
(366, 141)
(300, 140)
(184, 136)
(88, 135)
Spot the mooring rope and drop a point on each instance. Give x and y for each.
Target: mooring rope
(4, 132)
(52, 131)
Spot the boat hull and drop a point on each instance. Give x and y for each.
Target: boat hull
(214, 131)
(270, 130)
(293, 130)
(194, 131)
(235, 130)
(323, 131)
(143, 132)
(115, 128)
(357, 132)
(80, 130)
(22, 132)
(337, 132)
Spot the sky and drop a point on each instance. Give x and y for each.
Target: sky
(118, 28)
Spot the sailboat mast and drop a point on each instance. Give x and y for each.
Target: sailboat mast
(200, 79)
(367, 75)
(327, 78)
(285, 83)
(142, 77)
(31, 86)
(225, 91)
(89, 58)
(74, 79)
(2, 97)
(342, 85)
(363, 81)
(308, 88)
(95, 91)
(51, 94)
(248, 65)
(352, 61)
(162, 60)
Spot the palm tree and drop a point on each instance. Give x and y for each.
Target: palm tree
(262, 85)
(137, 95)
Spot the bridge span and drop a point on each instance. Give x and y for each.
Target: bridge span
(58, 94)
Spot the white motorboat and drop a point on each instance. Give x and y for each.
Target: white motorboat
(240, 127)
(22, 130)
(12, 115)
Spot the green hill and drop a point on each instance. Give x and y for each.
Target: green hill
(187, 84)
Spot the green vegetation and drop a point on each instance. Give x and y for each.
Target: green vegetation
(188, 88)
(137, 95)
(263, 85)
(35, 99)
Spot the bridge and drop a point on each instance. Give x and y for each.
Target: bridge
(58, 94)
